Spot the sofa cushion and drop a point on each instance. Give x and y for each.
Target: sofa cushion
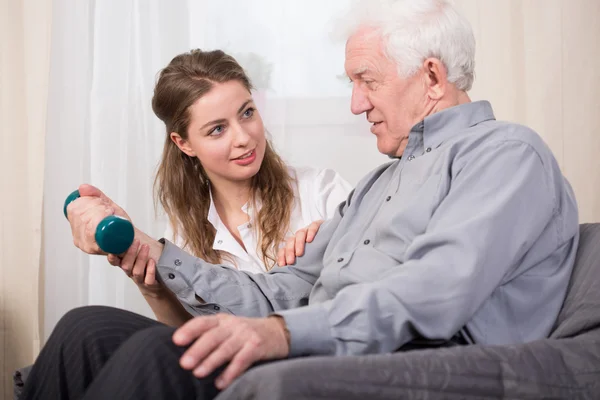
(581, 309)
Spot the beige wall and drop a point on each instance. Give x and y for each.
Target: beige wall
(24, 66)
(538, 62)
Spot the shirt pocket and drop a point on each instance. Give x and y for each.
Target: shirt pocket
(407, 215)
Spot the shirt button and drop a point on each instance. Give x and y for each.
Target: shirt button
(411, 157)
(340, 259)
(388, 198)
(217, 308)
(220, 242)
(249, 225)
(367, 241)
(428, 149)
(171, 276)
(177, 262)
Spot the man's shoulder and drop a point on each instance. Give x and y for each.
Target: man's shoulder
(495, 133)
(512, 131)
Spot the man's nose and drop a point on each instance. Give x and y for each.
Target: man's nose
(360, 102)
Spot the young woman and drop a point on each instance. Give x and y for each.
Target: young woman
(229, 197)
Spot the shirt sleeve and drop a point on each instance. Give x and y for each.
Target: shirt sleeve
(225, 289)
(497, 204)
(329, 190)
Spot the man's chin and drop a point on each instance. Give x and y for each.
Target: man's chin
(390, 151)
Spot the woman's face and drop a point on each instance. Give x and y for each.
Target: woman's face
(226, 133)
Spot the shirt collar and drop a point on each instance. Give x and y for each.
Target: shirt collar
(437, 128)
(213, 215)
(223, 238)
(223, 241)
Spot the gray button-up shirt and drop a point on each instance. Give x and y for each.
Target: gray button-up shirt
(474, 227)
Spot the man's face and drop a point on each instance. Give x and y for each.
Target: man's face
(392, 104)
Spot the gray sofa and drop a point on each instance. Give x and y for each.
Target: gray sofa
(564, 366)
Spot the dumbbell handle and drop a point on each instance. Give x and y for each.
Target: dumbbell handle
(114, 234)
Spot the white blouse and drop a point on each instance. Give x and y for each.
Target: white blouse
(317, 194)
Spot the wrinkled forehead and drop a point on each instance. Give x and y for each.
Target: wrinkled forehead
(364, 49)
(364, 36)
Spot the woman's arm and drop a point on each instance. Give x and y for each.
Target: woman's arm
(321, 191)
(204, 286)
(138, 265)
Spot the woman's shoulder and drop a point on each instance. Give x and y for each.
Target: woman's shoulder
(319, 188)
(313, 175)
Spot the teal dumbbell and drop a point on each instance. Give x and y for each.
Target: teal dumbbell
(114, 234)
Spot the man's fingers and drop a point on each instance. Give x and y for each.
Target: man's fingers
(113, 259)
(86, 190)
(202, 348)
(139, 268)
(244, 358)
(192, 329)
(86, 212)
(91, 192)
(84, 226)
(224, 352)
(128, 260)
(83, 204)
(313, 228)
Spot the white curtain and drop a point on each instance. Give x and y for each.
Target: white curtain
(536, 62)
(24, 65)
(101, 130)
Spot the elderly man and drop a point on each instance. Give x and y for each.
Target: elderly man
(467, 236)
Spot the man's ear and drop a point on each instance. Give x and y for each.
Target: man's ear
(183, 144)
(436, 78)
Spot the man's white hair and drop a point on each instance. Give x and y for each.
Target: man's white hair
(414, 30)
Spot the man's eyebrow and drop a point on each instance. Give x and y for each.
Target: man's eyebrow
(357, 73)
(360, 71)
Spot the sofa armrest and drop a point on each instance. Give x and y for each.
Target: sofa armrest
(565, 368)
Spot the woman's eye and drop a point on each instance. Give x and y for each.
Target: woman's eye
(217, 130)
(249, 112)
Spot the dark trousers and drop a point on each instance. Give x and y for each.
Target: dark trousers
(100, 352)
(106, 353)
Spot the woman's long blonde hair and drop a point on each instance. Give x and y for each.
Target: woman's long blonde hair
(181, 184)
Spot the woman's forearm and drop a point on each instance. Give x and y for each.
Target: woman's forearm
(168, 309)
(164, 303)
(155, 247)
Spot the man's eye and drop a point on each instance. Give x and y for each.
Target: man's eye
(370, 84)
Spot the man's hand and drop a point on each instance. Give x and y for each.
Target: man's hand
(294, 245)
(86, 212)
(223, 337)
(137, 264)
